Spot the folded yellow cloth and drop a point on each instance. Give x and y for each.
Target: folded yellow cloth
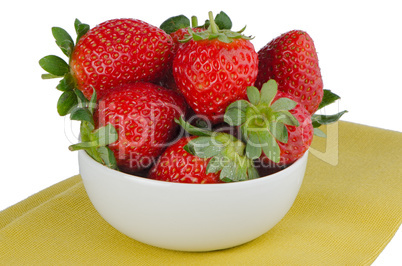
(348, 209)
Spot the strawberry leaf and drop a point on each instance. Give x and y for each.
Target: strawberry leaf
(235, 113)
(223, 21)
(196, 36)
(66, 103)
(82, 114)
(54, 65)
(270, 148)
(253, 148)
(108, 158)
(253, 95)
(215, 165)
(86, 130)
(204, 147)
(268, 91)
(328, 98)
(105, 135)
(175, 23)
(286, 118)
(279, 131)
(283, 104)
(83, 145)
(222, 37)
(67, 83)
(319, 120)
(82, 100)
(228, 172)
(252, 173)
(80, 29)
(63, 40)
(92, 102)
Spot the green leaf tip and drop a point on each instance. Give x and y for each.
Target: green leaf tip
(54, 65)
(319, 120)
(80, 29)
(328, 98)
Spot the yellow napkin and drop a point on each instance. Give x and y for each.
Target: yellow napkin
(348, 209)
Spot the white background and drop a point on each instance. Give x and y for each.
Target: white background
(358, 45)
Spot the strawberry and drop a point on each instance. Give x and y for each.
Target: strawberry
(114, 52)
(119, 51)
(291, 59)
(213, 69)
(143, 116)
(277, 129)
(179, 32)
(177, 165)
(205, 157)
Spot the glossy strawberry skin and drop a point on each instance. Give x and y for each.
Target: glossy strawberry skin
(212, 74)
(167, 80)
(119, 51)
(143, 115)
(291, 59)
(177, 165)
(299, 138)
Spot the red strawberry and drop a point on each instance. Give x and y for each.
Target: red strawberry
(291, 59)
(177, 165)
(167, 80)
(276, 128)
(119, 51)
(212, 73)
(143, 115)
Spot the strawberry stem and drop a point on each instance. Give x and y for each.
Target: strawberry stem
(214, 27)
(194, 22)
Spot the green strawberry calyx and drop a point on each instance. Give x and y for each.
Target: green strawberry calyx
(56, 67)
(214, 32)
(262, 121)
(226, 153)
(93, 140)
(176, 23)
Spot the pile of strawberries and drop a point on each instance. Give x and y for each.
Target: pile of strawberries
(189, 103)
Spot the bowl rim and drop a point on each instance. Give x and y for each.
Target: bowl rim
(135, 178)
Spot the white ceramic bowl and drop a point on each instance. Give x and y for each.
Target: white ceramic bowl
(190, 217)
